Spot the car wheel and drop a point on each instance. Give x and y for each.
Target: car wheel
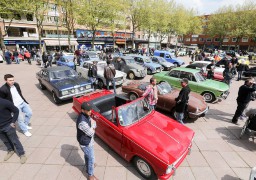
(132, 96)
(144, 168)
(149, 71)
(55, 98)
(100, 84)
(175, 64)
(42, 86)
(131, 75)
(209, 97)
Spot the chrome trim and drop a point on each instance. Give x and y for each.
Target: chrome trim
(198, 114)
(75, 94)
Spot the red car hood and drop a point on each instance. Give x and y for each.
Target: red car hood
(161, 136)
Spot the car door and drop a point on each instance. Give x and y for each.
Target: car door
(168, 58)
(109, 131)
(192, 80)
(173, 78)
(46, 79)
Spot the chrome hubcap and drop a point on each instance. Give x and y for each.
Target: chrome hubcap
(208, 97)
(131, 76)
(133, 97)
(143, 167)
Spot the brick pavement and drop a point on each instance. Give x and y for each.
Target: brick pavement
(53, 152)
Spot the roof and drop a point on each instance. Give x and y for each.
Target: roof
(57, 68)
(186, 69)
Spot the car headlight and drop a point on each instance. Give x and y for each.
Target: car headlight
(169, 169)
(64, 92)
(81, 88)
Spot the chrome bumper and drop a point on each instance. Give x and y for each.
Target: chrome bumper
(199, 113)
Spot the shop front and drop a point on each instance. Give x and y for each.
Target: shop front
(59, 44)
(28, 44)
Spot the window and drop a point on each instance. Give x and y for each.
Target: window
(167, 56)
(194, 39)
(217, 39)
(201, 39)
(29, 17)
(161, 55)
(17, 17)
(225, 39)
(234, 39)
(187, 39)
(154, 59)
(245, 39)
(209, 39)
(175, 74)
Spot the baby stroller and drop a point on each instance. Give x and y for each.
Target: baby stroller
(250, 124)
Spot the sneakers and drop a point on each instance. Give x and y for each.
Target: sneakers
(28, 134)
(8, 155)
(23, 159)
(29, 127)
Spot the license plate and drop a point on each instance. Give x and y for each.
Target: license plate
(88, 86)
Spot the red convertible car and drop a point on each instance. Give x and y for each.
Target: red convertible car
(155, 143)
(197, 107)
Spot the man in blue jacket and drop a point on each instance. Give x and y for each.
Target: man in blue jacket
(85, 126)
(8, 116)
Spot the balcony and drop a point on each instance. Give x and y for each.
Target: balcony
(58, 36)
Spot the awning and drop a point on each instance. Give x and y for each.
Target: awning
(61, 42)
(120, 42)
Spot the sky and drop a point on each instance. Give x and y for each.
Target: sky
(208, 6)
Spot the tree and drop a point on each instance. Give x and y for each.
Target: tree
(8, 10)
(68, 21)
(220, 22)
(93, 14)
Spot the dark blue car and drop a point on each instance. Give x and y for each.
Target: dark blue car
(66, 60)
(63, 82)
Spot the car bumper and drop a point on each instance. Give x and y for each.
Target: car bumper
(140, 73)
(184, 155)
(199, 114)
(75, 94)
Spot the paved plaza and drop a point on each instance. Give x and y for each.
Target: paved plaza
(53, 151)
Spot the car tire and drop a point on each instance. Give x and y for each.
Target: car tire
(176, 64)
(209, 97)
(149, 71)
(131, 75)
(100, 84)
(132, 96)
(144, 168)
(41, 85)
(55, 98)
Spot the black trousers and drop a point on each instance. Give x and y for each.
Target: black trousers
(10, 139)
(239, 110)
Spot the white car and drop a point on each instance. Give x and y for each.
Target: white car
(182, 53)
(1, 59)
(203, 64)
(83, 71)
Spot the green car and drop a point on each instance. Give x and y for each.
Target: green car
(210, 89)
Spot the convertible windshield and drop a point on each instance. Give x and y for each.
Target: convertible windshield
(132, 113)
(164, 88)
(63, 74)
(199, 77)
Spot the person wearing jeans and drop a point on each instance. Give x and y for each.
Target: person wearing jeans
(150, 94)
(113, 82)
(8, 116)
(85, 126)
(12, 92)
(109, 75)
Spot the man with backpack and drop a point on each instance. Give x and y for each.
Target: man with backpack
(109, 74)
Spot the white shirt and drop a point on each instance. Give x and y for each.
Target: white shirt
(17, 99)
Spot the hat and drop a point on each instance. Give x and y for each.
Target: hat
(185, 80)
(86, 106)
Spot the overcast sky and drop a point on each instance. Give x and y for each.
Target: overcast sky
(208, 6)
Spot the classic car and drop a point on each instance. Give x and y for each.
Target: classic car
(63, 83)
(182, 53)
(245, 59)
(169, 57)
(92, 55)
(120, 77)
(131, 68)
(197, 107)
(210, 89)
(146, 62)
(201, 65)
(67, 60)
(155, 143)
(166, 66)
(250, 72)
